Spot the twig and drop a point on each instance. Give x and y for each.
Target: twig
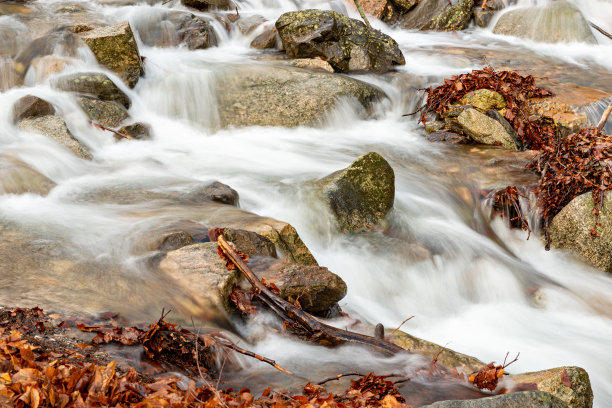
(339, 376)
(231, 345)
(398, 327)
(363, 16)
(416, 111)
(604, 117)
(515, 358)
(99, 126)
(601, 30)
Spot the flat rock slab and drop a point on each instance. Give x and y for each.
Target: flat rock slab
(55, 128)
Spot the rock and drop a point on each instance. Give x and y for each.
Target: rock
(46, 45)
(265, 40)
(202, 271)
(316, 288)
(250, 242)
(405, 5)
(448, 357)
(196, 33)
(289, 97)
(246, 25)
(446, 137)
(16, 177)
(55, 128)
(374, 8)
(361, 194)
(312, 63)
(525, 399)
(94, 84)
(31, 106)
(10, 78)
(484, 100)
(493, 114)
(438, 15)
(571, 229)
(345, 43)
(556, 21)
(42, 68)
(482, 17)
(115, 48)
(570, 106)
(107, 113)
(206, 5)
(138, 131)
(570, 384)
(483, 129)
(173, 240)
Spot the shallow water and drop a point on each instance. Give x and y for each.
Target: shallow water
(484, 291)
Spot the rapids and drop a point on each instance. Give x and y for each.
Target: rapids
(486, 290)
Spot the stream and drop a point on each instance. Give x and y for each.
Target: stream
(484, 291)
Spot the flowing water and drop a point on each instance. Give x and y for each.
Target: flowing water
(483, 291)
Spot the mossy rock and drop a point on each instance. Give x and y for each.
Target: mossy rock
(438, 15)
(347, 44)
(484, 100)
(94, 84)
(525, 399)
(361, 194)
(106, 113)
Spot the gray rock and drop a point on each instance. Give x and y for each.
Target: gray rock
(196, 33)
(31, 106)
(314, 287)
(493, 114)
(16, 177)
(173, 240)
(405, 5)
(570, 384)
(347, 44)
(206, 5)
(482, 129)
(94, 84)
(115, 48)
(289, 97)
(55, 128)
(138, 131)
(250, 242)
(438, 15)
(361, 194)
(246, 25)
(106, 113)
(312, 63)
(265, 40)
(556, 21)
(525, 399)
(571, 229)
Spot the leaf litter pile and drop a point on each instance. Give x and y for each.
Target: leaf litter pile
(568, 166)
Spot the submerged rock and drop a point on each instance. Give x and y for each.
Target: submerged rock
(347, 44)
(555, 21)
(196, 33)
(138, 131)
(439, 15)
(94, 84)
(530, 399)
(115, 48)
(16, 177)
(361, 194)
(106, 113)
(569, 384)
(55, 128)
(284, 96)
(483, 129)
(31, 106)
(571, 229)
(265, 40)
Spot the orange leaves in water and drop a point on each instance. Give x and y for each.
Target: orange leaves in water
(124, 335)
(489, 375)
(515, 89)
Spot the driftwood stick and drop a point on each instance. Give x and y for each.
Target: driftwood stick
(301, 323)
(601, 30)
(604, 117)
(362, 14)
(232, 346)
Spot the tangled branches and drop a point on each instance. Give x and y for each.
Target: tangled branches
(515, 89)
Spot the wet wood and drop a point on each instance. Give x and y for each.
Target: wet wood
(604, 117)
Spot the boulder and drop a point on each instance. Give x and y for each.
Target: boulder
(284, 96)
(361, 194)
(138, 130)
(314, 287)
(312, 63)
(405, 5)
(569, 384)
(438, 15)
(196, 33)
(200, 269)
(374, 8)
(265, 40)
(484, 100)
(250, 242)
(10, 78)
(483, 16)
(16, 177)
(106, 113)
(55, 128)
(31, 106)
(525, 399)
(555, 21)
(172, 241)
(115, 48)
(206, 5)
(94, 84)
(448, 357)
(571, 229)
(483, 129)
(347, 44)
(246, 25)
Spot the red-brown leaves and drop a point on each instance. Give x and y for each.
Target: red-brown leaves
(506, 202)
(571, 167)
(489, 375)
(124, 335)
(565, 379)
(515, 89)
